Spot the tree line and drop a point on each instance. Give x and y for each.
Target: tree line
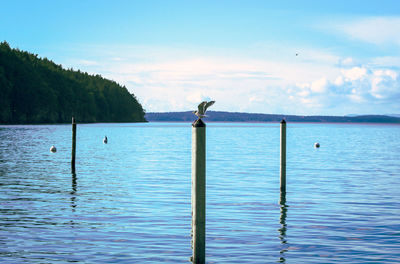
(36, 90)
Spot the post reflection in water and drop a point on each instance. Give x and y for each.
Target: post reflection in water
(73, 192)
(282, 230)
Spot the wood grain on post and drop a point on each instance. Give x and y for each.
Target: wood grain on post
(283, 156)
(199, 191)
(73, 145)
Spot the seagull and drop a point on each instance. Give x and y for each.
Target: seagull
(202, 108)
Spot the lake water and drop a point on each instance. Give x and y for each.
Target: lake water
(129, 201)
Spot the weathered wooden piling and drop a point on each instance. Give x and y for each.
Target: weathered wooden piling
(283, 156)
(73, 145)
(199, 192)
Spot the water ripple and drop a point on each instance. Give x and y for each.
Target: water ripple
(129, 201)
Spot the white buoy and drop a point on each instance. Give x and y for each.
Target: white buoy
(53, 149)
(105, 140)
(316, 145)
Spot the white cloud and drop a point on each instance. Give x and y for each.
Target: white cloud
(376, 30)
(233, 83)
(197, 97)
(256, 99)
(385, 84)
(355, 88)
(392, 61)
(339, 81)
(318, 84)
(390, 73)
(354, 73)
(347, 61)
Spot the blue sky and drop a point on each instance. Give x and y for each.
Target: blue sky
(173, 54)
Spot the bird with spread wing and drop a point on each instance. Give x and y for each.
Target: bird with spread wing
(202, 108)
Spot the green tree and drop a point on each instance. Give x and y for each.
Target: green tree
(35, 90)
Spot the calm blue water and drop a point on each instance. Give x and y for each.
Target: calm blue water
(129, 201)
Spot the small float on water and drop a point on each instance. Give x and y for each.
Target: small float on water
(53, 149)
(105, 140)
(316, 145)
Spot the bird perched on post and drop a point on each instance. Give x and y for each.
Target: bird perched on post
(202, 108)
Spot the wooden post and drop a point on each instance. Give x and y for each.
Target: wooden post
(283, 156)
(73, 145)
(199, 192)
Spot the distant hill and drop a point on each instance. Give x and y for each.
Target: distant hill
(394, 115)
(218, 116)
(36, 90)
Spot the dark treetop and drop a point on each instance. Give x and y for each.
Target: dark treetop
(36, 90)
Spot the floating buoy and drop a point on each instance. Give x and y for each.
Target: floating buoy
(316, 145)
(105, 140)
(53, 149)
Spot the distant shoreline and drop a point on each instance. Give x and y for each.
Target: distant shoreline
(237, 117)
(208, 122)
(270, 122)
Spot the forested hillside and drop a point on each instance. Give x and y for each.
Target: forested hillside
(36, 90)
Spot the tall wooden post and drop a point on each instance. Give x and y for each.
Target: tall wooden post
(282, 200)
(199, 192)
(73, 145)
(283, 156)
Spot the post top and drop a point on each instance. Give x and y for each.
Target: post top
(283, 121)
(198, 123)
(73, 119)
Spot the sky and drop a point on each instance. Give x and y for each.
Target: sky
(274, 57)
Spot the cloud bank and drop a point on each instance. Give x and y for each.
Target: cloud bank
(266, 78)
(309, 84)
